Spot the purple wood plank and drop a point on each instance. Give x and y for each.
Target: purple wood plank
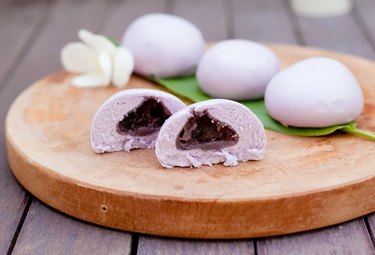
(364, 14)
(18, 24)
(371, 226)
(63, 21)
(125, 12)
(13, 202)
(46, 231)
(211, 16)
(43, 56)
(347, 238)
(338, 33)
(262, 20)
(156, 245)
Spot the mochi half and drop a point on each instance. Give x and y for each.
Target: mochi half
(131, 119)
(164, 45)
(316, 92)
(237, 69)
(211, 132)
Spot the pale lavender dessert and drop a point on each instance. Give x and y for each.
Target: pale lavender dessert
(313, 93)
(237, 69)
(164, 45)
(131, 119)
(211, 132)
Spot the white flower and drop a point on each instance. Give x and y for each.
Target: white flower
(98, 60)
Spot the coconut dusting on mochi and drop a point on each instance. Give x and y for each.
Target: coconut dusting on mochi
(211, 132)
(131, 119)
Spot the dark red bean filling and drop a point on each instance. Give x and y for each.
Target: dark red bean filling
(205, 132)
(146, 119)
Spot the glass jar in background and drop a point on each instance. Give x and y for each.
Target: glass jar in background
(321, 8)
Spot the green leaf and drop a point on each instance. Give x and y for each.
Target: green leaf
(188, 87)
(351, 129)
(113, 40)
(184, 86)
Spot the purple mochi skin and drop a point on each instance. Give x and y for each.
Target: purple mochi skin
(250, 146)
(104, 134)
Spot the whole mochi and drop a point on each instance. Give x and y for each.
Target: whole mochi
(237, 70)
(164, 45)
(316, 92)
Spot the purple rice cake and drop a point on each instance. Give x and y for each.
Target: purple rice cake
(211, 132)
(131, 119)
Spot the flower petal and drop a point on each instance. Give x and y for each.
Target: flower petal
(123, 67)
(78, 58)
(97, 42)
(90, 80)
(106, 66)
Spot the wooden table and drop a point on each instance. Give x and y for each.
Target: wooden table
(31, 36)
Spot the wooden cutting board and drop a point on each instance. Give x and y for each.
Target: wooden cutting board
(303, 183)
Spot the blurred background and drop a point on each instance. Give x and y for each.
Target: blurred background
(32, 33)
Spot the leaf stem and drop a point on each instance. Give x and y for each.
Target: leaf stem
(359, 132)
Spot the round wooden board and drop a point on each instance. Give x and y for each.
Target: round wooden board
(303, 183)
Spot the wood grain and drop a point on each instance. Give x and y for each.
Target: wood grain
(161, 246)
(46, 231)
(341, 34)
(196, 12)
(262, 20)
(364, 15)
(338, 33)
(348, 238)
(371, 225)
(16, 32)
(210, 16)
(124, 12)
(128, 11)
(48, 128)
(214, 20)
(43, 55)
